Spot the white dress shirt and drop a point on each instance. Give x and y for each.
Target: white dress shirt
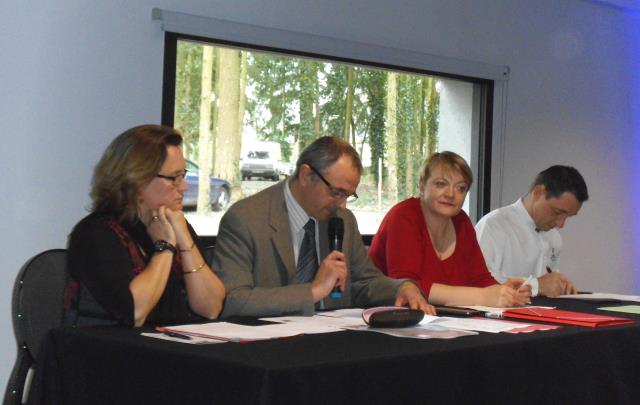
(298, 218)
(512, 247)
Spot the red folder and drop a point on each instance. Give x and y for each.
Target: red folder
(566, 317)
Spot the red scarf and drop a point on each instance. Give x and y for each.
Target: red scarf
(72, 290)
(134, 252)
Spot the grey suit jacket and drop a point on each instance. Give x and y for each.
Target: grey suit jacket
(255, 260)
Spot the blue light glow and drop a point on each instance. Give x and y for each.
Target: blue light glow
(634, 173)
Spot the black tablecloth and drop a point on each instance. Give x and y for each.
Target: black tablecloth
(109, 365)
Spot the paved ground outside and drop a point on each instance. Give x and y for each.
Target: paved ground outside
(207, 225)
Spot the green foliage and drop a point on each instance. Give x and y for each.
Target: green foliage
(433, 115)
(273, 81)
(407, 135)
(293, 101)
(307, 76)
(187, 105)
(375, 83)
(334, 93)
(417, 129)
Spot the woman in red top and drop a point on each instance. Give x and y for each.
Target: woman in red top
(431, 240)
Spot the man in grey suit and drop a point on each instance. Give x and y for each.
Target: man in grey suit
(261, 255)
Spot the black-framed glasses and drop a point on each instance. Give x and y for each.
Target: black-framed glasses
(175, 180)
(336, 193)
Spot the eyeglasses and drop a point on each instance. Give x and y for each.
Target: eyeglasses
(336, 193)
(175, 180)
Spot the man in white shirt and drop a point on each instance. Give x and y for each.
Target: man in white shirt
(522, 239)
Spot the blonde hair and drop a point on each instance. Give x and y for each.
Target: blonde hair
(448, 161)
(128, 164)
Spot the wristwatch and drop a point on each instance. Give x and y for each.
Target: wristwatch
(162, 245)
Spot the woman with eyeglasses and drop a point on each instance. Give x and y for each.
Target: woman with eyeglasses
(135, 259)
(432, 241)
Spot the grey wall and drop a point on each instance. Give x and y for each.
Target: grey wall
(76, 73)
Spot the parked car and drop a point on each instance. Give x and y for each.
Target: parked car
(261, 161)
(220, 192)
(285, 169)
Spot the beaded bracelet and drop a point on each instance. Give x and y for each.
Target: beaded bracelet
(194, 270)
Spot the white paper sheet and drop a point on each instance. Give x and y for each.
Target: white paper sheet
(498, 310)
(419, 332)
(235, 333)
(479, 325)
(192, 341)
(343, 313)
(331, 323)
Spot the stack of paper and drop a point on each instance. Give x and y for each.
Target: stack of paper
(232, 332)
(335, 321)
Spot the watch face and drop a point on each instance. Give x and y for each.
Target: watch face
(162, 245)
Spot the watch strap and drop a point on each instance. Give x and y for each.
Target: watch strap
(162, 245)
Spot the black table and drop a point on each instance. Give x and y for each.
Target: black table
(568, 365)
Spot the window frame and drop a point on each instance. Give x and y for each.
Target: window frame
(492, 80)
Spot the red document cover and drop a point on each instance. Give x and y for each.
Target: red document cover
(566, 317)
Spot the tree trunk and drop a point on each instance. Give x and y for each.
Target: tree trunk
(236, 181)
(349, 103)
(376, 91)
(205, 138)
(184, 102)
(317, 113)
(316, 105)
(433, 110)
(409, 156)
(392, 137)
(228, 128)
(422, 128)
(308, 101)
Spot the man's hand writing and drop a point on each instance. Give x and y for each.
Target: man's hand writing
(554, 284)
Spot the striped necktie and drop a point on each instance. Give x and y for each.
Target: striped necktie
(307, 257)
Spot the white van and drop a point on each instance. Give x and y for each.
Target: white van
(261, 160)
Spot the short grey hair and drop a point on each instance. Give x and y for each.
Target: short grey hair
(324, 152)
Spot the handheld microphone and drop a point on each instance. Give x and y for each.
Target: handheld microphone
(336, 233)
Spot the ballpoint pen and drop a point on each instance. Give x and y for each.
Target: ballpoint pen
(176, 335)
(526, 282)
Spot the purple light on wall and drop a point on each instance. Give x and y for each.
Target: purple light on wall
(634, 172)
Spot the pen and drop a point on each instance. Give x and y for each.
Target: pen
(177, 335)
(493, 315)
(526, 282)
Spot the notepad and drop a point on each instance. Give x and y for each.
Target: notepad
(628, 309)
(565, 317)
